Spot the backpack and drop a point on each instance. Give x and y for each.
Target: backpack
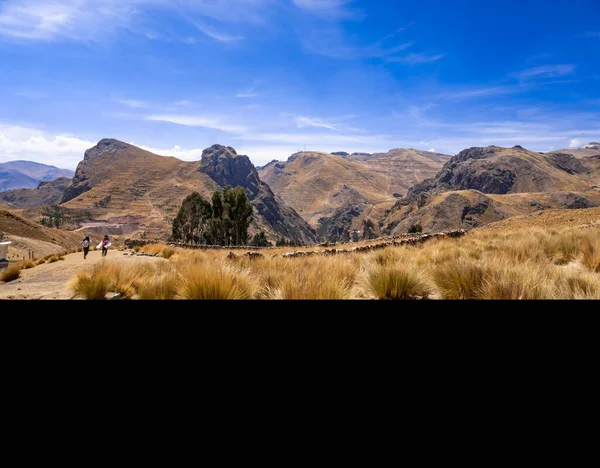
(86, 243)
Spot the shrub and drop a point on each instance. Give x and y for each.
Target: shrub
(26, 265)
(167, 252)
(398, 283)
(94, 286)
(54, 258)
(215, 282)
(41, 261)
(12, 273)
(459, 279)
(415, 228)
(159, 286)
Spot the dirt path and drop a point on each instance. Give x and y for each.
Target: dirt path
(51, 280)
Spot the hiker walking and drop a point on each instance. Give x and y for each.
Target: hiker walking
(86, 243)
(105, 244)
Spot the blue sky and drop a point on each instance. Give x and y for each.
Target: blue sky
(269, 77)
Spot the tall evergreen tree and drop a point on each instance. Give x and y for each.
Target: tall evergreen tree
(191, 222)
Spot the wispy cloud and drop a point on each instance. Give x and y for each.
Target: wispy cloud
(99, 20)
(183, 103)
(251, 91)
(416, 59)
(65, 19)
(544, 71)
(215, 123)
(133, 103)
(330, 9)
(322, 46)
(214, 34)
(303, 122)
(481, 92)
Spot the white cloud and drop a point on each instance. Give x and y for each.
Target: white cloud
(481, 92)
(415, 59)
(330, 9)
(99, 20)
(176, 151)
(199, 121)
(432, 150)
(246, 94)
(575, 143)
(36, 145)
(65, 19)
(302, 122)
(133, 103)
(545, 71)
(183, 103)
(214, 34)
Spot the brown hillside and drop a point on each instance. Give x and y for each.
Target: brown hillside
(406, 167)
(553, 219)
(591, 149)
(29, 236)
(468, 209)
(130, 190)
(330, 192)
(46, 193)
(483, 185)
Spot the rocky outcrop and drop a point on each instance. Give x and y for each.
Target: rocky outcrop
(223, 165)
(83, 180)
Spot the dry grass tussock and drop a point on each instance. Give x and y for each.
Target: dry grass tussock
(11, 273)
(522, 264)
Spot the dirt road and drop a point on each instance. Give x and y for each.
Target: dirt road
(51, 280)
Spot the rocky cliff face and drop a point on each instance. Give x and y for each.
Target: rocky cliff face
(223, 165)
(496, 170)
(481, 185)
(85, 174)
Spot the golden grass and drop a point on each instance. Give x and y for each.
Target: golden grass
(41, 261)
(533, 263)
(152, 249)
(398, 283)
(591, 254)
(94, 285)
(459, 279)
(27, 264)
(11, 273)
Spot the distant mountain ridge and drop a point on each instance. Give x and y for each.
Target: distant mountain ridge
(28, 174)
(122, 184)
(486, 184)
(337, 193)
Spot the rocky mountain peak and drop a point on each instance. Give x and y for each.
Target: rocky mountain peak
(223, 165)
(475, 152)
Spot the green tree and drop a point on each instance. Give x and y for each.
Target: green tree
(260, 240)
(415, 228)
(238, 212)
(191, 222)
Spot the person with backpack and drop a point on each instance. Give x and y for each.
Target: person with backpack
(86, 243)
(105, 244)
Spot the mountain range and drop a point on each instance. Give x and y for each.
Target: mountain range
(28, 174)
(312, 197)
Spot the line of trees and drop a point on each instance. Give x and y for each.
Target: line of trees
(222, 221)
